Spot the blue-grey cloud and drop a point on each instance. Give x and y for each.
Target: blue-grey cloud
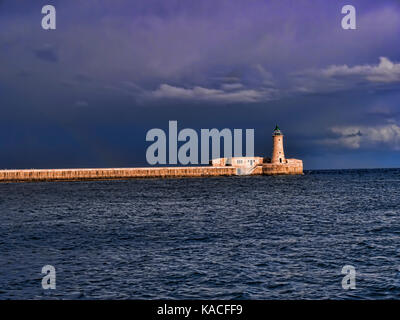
(46, 53)
(366, 137)
(81, 103)
(236, 94)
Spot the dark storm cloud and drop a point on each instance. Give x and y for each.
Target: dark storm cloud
(114, 69)
(23, 74)
(46, 53)
(83, 78)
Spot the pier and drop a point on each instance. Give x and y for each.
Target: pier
(33, 175)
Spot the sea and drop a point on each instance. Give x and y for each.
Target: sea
(244, 237)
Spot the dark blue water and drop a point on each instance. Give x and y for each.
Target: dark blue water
(284, 237)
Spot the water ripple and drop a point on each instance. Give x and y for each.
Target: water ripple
(212, 238)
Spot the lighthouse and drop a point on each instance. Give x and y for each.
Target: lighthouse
(278, 164)
(278, 155)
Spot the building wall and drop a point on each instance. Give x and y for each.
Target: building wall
(246, 161)
(220, 162)
(237, 161)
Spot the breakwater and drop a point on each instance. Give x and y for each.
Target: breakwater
(111, 173)
(32, 175)
(293, 166)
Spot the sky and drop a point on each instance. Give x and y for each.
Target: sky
(86, 94)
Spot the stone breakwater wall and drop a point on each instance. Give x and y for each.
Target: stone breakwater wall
(111, 173)
(293, 167)
(269, 169)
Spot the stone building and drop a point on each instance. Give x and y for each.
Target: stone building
(277, 164)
